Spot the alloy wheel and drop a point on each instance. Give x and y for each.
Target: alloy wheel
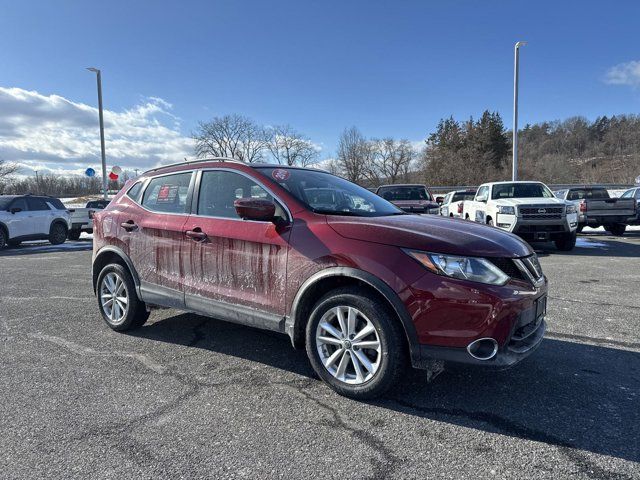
(114, 298)
(348, 345)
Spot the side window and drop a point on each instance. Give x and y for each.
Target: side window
(627, 194)
(219, 189)
(37, 204)
(20, 203)
(167, 193)
(133, 193)
(55, 203)
(638, 194)
(483, 194)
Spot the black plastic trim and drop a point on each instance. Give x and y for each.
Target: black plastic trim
(124, 257)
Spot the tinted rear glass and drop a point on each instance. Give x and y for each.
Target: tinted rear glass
(588, 193)
(37, 204)
(461, 196)
(397, 193)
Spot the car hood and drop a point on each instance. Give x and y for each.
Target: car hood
(432, 233)
(529, 201)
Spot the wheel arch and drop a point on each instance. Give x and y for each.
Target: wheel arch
(328, 279)
(5, 229)
(111, 254)
(60, 221)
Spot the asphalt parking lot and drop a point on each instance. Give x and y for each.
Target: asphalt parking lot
(191, 397)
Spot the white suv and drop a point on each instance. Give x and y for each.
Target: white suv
(32, 217)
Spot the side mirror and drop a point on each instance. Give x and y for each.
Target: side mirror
(255, 209)
(439, 200)
(15, 210)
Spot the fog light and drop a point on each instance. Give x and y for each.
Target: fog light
(573, 224)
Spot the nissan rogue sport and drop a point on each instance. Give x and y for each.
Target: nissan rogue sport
(365, 287)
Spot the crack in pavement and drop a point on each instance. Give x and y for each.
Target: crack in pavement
(515, 429)
(82, 350)
(383, 467)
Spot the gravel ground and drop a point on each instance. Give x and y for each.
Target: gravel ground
(191, 397)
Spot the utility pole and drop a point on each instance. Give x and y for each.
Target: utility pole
(37, 182)
(102, 150)
(516, 63)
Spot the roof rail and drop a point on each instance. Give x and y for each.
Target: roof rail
(201, 160)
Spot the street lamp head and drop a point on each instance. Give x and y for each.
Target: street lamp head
(93, 69)
(520, 44)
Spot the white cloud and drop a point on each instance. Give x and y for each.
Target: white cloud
(53, 133)
(624, 74)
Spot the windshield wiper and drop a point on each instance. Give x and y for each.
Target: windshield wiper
(335, 212)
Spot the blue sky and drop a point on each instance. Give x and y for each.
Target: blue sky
(390, 68)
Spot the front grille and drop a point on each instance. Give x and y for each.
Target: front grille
(541, 212)
(510, 267)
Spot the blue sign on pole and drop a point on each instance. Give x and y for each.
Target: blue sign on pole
(89, 172)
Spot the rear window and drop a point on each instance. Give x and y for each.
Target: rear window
(588, 193)
(462, 196)
(56, 203)
(167, 193)
(99, 204)
(396, 193)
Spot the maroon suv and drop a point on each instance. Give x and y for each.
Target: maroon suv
(363, 285)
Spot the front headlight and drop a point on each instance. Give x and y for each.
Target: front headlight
(506, 210)
(474, 269)
(571, 209)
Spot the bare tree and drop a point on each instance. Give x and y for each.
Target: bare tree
(7, 171)
(391, 159)
(353, 154)
(289, 147)
(231, 136)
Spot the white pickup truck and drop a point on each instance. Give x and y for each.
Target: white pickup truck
(81, 218)
(528, 209)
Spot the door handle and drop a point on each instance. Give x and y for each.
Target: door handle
(196, 234)
(129, 226)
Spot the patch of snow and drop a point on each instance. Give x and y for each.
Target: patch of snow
(587, 243)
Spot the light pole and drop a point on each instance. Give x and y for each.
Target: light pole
(104, 160)
(516, 62)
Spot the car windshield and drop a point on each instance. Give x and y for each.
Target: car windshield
(521, 190)
(5, 201)
(324, 193)
(408, 192)
(461, 196)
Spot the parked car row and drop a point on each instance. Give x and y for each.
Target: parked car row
(528, 209)
(41, 217)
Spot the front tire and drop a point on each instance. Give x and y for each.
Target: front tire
(3, 237)
(355, 343)
(566, 243)
(117, 299)
(57, 234)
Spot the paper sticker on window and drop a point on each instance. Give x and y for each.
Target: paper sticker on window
(280, 174)
(167, 194)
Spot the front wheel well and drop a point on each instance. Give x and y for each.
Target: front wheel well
(61, 222)
(319, 289)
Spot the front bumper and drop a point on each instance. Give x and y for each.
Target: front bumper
(450, 314)
(538, 230)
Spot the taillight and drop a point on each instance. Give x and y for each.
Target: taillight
(91, 214)
(460, 207)
(583, 206)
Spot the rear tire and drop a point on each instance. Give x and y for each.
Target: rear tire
(373, 361)
(617, 229)
(117, 299)
(57, 234)
(74, 234)
(3, 237)
(580, 228)
(566, 243)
